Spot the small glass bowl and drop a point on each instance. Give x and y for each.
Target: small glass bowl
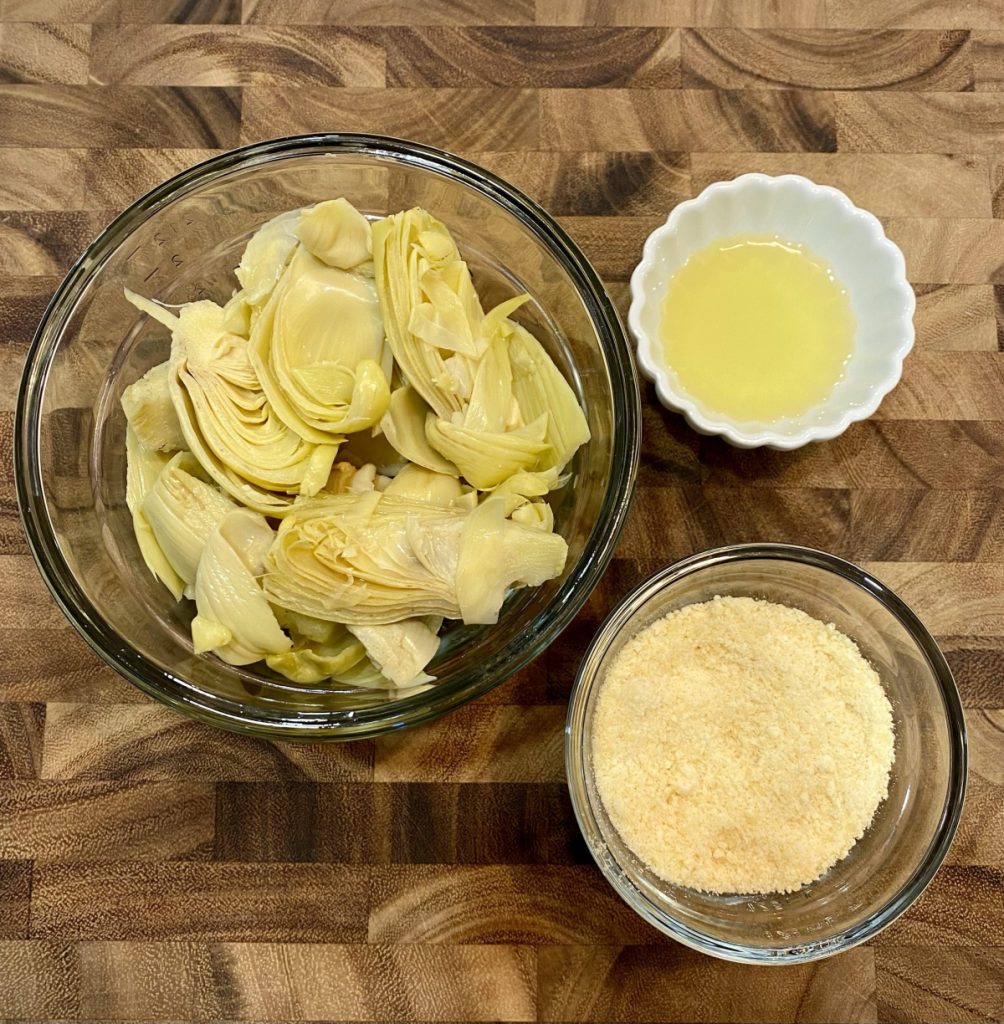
(182, 242)
(893, 862)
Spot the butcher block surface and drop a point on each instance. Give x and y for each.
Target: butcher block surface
(154, 869)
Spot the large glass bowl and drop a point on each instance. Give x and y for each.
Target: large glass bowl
(890, 866)
(181, 242)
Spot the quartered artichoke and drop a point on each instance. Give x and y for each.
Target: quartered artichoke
(455, 426)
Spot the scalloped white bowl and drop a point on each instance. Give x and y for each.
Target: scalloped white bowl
(849, 239)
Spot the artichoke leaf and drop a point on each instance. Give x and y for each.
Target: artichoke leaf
(183, 511)
(231, 605)
(150, 412)
(366, 676)
(143, 466)
(404, 426)
(491, 403)
(425, 485)
(336, 233)
(310, 661)
(306, 629)
(497, 554)
(535, 514)
(266, 255)
(487, 458)
(237, 315)
(400, 650)
(539, 387)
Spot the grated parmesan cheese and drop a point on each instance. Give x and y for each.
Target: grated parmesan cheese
(741, 746)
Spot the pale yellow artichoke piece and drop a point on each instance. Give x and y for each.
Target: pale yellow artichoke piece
(227, 595)
(226, 420)
(404, 426)
(491, 408)
(540, 388)
(150, 412)
(535, 514)
(421, 484)
(208, 635)
(484, 458)
(497, 554)
(317, 350)
(400, 650)
(423, 284)
(183, 511)
(266, 256)
(313, 661)
(306, 629)
(237, 315)
(143, 466)
(364, 675)
(366, 559)
(336, 233)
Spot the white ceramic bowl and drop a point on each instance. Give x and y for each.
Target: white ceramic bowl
(849, 239)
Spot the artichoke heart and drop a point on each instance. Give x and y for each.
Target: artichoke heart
(234, 619)
(336, 233)
(313, 659)
(497, 554)
(226, 420)
(401, 650)
(404, 425)
(182, 511)
(150, 412)
(487, 458)
(266, 255)
(365, 559)
(372, 559)
(143, 466)
(539, 387)
(317, 349)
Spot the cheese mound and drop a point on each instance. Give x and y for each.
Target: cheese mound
(741, 746)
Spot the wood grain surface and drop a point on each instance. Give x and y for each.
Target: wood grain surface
(152, 869)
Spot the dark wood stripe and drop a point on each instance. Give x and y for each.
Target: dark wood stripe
(15, 898)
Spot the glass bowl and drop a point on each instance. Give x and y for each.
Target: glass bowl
(894, 861)
(181, 242)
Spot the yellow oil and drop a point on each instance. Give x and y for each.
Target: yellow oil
(756, 328)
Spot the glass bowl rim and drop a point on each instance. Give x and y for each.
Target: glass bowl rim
(468, 683)
(575, 768)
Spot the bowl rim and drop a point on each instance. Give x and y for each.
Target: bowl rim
(678, 400)
(585, 817)
(174, 690)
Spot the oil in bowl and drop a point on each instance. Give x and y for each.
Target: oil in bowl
(756, 328)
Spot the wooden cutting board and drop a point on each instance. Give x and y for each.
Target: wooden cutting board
(154, 869)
